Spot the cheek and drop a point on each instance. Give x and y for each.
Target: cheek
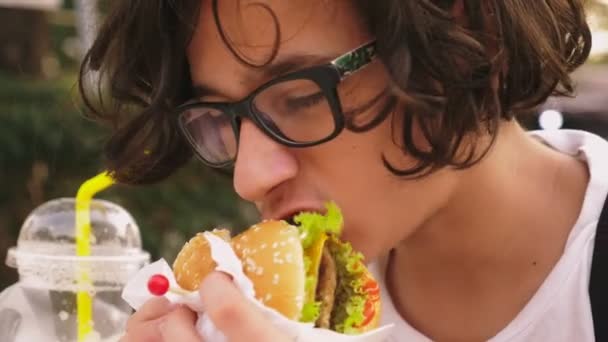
(380, 212)
(355, 157)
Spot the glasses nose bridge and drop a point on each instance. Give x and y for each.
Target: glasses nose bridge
(241, 110)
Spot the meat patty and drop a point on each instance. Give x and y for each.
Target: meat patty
(326, 288)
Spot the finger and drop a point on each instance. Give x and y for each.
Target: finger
(236, 317)
(179, 325)
(151, 310)
(145, 331)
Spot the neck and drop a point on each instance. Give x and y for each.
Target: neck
(482, 257)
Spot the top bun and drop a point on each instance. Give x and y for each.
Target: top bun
(272, 257)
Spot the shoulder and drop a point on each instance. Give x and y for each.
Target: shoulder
(593, 150)
(586, 146)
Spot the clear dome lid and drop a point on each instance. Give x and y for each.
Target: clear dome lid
(45, 255)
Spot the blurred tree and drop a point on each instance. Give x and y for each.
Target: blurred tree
(24, 40)
(47, 149)
(87, 14)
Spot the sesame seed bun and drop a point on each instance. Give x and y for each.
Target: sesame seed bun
(193, 263)
(272, 258)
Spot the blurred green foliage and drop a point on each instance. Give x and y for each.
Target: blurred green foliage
(48, 148)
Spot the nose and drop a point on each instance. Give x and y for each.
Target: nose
(261, 165)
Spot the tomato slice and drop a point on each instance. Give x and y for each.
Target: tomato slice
(368, 313)
(372, 288)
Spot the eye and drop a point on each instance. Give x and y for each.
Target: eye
(302, 102)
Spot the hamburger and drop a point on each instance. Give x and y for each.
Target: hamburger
(299, 268)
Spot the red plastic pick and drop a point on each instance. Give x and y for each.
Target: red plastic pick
(158, 285)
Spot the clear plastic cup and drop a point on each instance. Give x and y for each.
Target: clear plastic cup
(49, 270)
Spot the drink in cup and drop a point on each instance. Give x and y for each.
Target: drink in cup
(52, 277)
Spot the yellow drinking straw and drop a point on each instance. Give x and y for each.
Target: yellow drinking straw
(84, 306)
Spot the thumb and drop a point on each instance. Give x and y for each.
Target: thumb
(233, 314)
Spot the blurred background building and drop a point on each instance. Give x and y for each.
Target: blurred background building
(48, 148)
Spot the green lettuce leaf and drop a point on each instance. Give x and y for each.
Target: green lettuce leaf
(347, 316)
(312, 225)
(310, 312)
(354, 316)
(311, 308)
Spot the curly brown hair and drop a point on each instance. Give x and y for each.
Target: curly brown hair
(459, 77)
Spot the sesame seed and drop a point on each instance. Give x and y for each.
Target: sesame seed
(263, 246)
(259, 271)
(291, 239)
(276, 254)
(268, 297)
(238, 246)
(275, 279)
(250, 262)
(283, 243)
(275, 245)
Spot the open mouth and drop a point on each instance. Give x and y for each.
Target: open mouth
(290, 218)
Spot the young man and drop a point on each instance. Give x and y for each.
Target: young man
(404, 113)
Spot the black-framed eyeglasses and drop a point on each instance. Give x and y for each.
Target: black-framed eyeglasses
(299, 109)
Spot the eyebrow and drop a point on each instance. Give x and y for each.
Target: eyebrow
(275, 69)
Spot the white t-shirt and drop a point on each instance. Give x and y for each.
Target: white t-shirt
(560, 311)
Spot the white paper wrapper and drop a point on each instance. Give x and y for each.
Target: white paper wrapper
(136, 294)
